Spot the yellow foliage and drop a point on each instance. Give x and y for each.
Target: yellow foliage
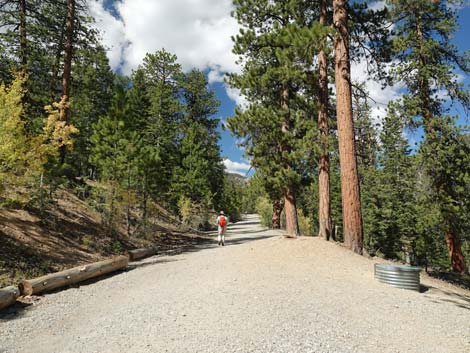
(12, 136)
(56, 131)
(23, 156)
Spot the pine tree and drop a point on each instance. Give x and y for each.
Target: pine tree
(160, 131)
(352, 218)
(390, 195)
(364, 130)
(270, 43)
(425, 60)
(92, 84)
(199, 174)
(114, 150)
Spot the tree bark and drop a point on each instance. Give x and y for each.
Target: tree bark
(144, 203)
(23, 39)
(128, 203)
(276, 217)
(292, 227)
(68, 58)
(324, 208)
(74, 275)
(55, 67)
(350, 192)
(455, 252)
(8, 296)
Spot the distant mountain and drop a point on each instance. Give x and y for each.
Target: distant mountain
(237, 177)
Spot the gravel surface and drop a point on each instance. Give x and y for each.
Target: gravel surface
(260, 293)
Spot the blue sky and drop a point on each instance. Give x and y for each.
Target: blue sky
(462, 41)
(198, 32)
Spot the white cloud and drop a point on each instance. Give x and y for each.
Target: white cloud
(236, 167)
(377, 5)
(112, 30)
(215, 75)
(235, 95)
(197, 31)
(379, 97)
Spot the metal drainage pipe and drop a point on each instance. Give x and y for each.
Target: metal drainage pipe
(406, 277)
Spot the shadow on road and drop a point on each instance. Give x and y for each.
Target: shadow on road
(238, 241)
(235, 232)
(437, 295)
(16, 311)
(155, 260)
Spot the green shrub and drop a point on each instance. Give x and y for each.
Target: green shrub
(194, 215)
(305, 224)
(265, 209)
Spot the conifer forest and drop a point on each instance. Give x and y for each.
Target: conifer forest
(395, 186)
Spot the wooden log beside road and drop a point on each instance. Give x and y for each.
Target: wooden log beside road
(71, 276)
(8, 296)
(142, 252)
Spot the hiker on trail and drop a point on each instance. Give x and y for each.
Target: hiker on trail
(222, 224)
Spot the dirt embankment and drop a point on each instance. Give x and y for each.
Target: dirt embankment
(71, 233)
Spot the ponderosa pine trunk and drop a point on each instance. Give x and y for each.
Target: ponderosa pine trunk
(56, 65)
(128, 205)
(350, 192)
(324, 208)
(144, 205)
(64, 109)
(292, 225)
(23, 39)
(68, 48)
(452, 239)
(455, 252)
(276, 217)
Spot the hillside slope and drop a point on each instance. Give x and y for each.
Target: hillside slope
(69, 234)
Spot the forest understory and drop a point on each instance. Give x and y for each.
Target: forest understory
(70, 233)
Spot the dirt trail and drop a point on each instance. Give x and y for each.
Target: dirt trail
(259, 293)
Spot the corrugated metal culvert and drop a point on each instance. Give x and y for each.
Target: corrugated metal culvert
(406, 277)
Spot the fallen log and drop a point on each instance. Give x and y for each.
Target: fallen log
(71, 276)
(142, 252)
(8, 296)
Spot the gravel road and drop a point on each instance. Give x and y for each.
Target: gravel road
(260, 293)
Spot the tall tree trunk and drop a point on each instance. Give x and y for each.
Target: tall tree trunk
(23, 39)
(292, 226)
(64, 110)
(68, 58)
(144, 203)
(455, 252)
(350, 193)
(55, 67)
(128, 206)
(276, 217)
(451, 237)
(324, 208)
